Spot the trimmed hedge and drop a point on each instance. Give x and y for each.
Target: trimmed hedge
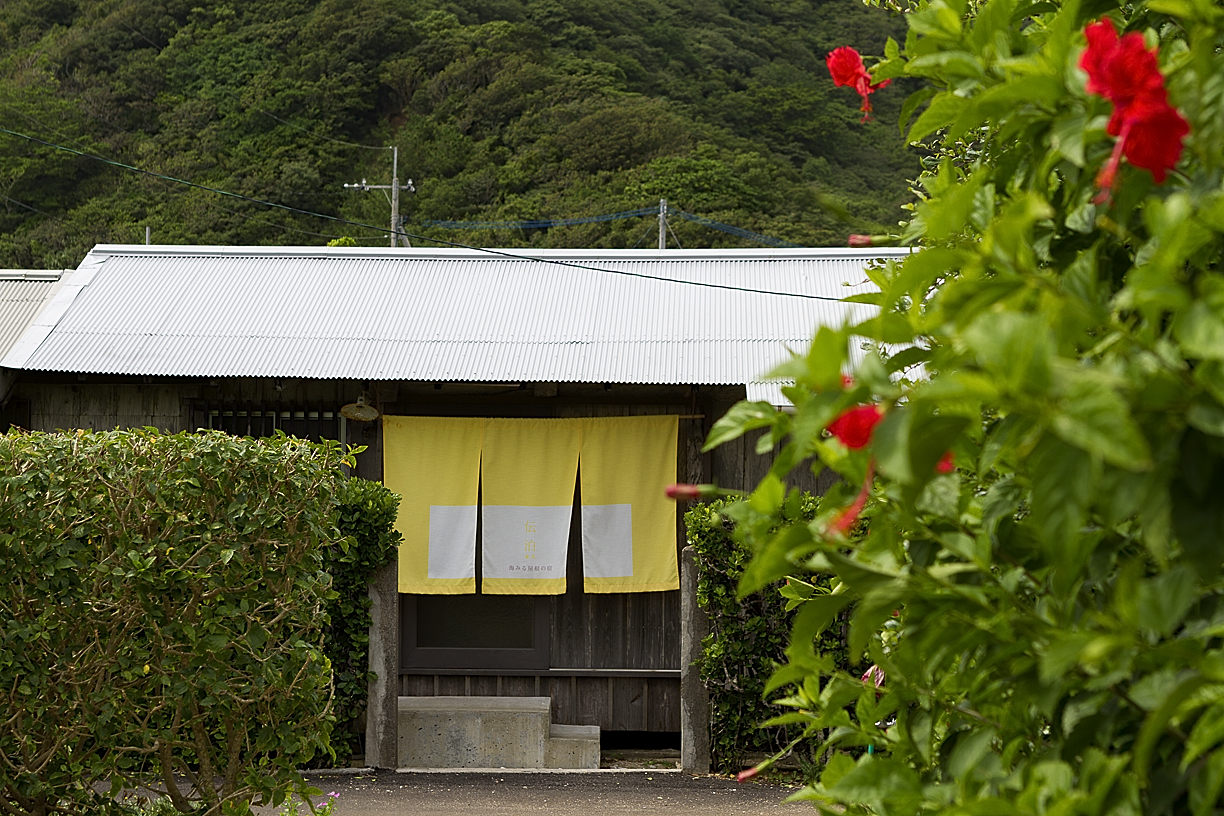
(162, 615)
(748, 636)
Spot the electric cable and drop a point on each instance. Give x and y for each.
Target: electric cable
(248, 106)
(645, 235)
(667, 224)
(32, 209)
(742, 233)
(497, 252)
(541, 223)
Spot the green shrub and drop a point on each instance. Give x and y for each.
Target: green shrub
(367, 519)
(161, 616)
(748, 636)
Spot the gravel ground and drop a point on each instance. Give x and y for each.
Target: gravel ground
(508, 793)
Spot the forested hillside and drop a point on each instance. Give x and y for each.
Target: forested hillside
(503, 110)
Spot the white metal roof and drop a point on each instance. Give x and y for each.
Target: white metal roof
(22, 294)
(616, 316)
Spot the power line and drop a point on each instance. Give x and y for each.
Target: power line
(299, 127)
(742, 233)
(31, 209)
(546, 223)
(498, 252)
(540, 223)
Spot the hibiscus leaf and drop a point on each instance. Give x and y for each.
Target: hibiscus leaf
(1165, 599)
(1201, 332)
(743, 417)
(891, 444)
(1095, 417)
(943, 109)
(912, 103)
(1067, 137)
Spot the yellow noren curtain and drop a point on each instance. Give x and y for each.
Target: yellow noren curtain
(628, 523)
(434, 464)
(528, 474)
(528, 468)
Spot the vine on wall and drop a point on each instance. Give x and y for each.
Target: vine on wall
(367, 512)
(748, 636)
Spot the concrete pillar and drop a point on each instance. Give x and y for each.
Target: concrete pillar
(694, 701)
(382, 711)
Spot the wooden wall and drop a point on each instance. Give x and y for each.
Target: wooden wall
(614, 658)
(625, 703)
(101, 407)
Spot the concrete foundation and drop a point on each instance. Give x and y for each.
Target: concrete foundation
(572, 746)
(490, 732)
(473, 732)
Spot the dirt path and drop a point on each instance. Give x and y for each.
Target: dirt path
(387, 793)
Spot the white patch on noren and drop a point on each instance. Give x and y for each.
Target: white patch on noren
(607, 540)
(524, 542)
(452, 541)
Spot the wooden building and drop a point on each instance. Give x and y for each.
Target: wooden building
(252, 340)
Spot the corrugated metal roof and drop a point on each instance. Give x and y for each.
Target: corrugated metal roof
(623, 316)
(22, 294)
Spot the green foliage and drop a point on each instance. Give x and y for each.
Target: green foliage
(161, 616)
(748, 636)
(503, 111)
(1057, 646)
(367, 512)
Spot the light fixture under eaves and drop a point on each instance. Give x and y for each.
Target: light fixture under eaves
(361, 410)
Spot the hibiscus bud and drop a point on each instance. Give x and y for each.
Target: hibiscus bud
(945, 463)
(744, 776)
(854, 426)
(871, 240)
(691, 492)
(845, 519)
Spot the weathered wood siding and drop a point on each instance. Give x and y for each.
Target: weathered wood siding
(615, 658)
(106, 406)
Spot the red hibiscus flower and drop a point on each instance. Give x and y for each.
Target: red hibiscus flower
(945, 464)
(854, 426)
(1149, 130)
(846, 68)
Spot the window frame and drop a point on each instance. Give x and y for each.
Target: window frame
(413, 657)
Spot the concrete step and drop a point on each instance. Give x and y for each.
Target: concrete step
(572, 746)
(473, 732)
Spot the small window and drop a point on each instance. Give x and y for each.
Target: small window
(474, 631)
(483, 631)
(257, 419)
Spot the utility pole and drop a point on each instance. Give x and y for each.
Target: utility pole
(395, 188)
(662, 223)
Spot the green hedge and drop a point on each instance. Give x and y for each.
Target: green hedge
(366, 519)
(161, 615)
(748, 636)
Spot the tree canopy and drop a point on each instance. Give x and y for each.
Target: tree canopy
(503, 111)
